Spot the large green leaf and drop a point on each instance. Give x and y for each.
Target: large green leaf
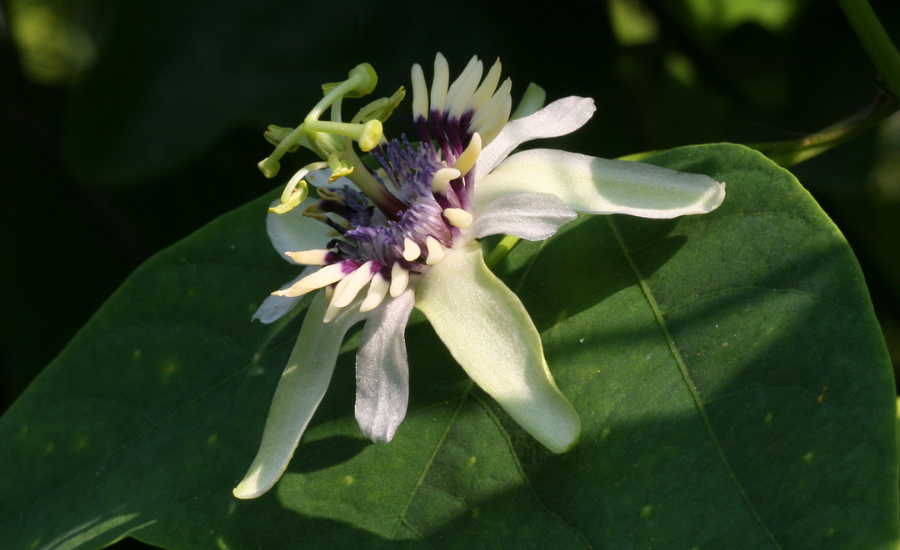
(697, 352)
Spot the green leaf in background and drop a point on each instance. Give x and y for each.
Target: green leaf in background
(731, 379)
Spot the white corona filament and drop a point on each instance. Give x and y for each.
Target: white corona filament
(435, 251)
(309, 257)
(332, 310)
(355, 283)
(458, 217)
(491, 108)
(420, 93)
(411, 250)
(440, 82)
(467, 159)
(442, 179)
(487, 88)
(461, 91)
(378, 289)
(399, 280)
(323, 277)
(494, 126)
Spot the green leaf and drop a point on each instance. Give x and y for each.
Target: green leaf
(697, 352)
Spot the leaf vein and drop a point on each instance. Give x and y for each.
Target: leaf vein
(701, 408)
(515, 457)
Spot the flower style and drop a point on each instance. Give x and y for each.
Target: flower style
(407, 230)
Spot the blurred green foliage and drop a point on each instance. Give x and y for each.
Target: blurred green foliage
(127, 125)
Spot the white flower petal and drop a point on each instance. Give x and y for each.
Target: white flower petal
(382, 371)
(489, 333)
(299, 392)
(531, 216)
(292, 231)
(561, 117)
(274, 307)
(602, 186)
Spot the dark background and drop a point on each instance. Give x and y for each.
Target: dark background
(125, 126)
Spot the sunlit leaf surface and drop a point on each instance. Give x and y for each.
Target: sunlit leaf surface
(729, 373)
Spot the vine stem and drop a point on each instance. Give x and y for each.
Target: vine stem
(875, 40)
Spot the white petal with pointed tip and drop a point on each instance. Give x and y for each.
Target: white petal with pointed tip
(299, 393)
(531, 216)
(561, 117)
(489, 333)
(274, 307)
(382, 371)
(602, 186)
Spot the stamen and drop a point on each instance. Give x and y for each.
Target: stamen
(368, 135)
(461, 90)
(291, 196)
(442, 179)
(360, 81)
(440, 82)
(329, 195)
(378, 289)
(399, 280)
(435, 251)
(339, 167)
(326, 276)
(355, 283)
(310, 257)
(458, 217)
(420, 93)
(484, 92)
(411, 250)
(467, 159)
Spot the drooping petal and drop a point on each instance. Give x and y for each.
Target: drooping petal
(561, 117)
(299, 392)
(531, 216)
(489, 333)
(382, 371)
(292, 231)
(601, 186)
(274, 307)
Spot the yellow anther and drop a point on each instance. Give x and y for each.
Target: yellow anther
(339, 167)
(285, 206)
(381, 109)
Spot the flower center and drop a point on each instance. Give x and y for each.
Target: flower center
(402, 215)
